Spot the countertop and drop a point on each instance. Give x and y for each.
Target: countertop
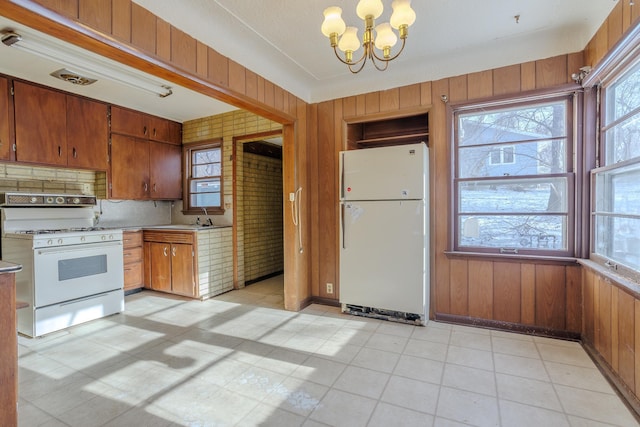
(9, 267)
(183, 227)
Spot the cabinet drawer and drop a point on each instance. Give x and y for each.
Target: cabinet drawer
(133, 275)
(130, 255)
(169, 236)
(131, 239)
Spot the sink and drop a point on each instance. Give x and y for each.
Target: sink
(184, 226)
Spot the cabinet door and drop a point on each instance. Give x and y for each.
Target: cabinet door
(165, 170)
(129, 168)
(129, 122)
(87, 134)
(5, 120)
(160, 271)
(41, 125)
(182, 269)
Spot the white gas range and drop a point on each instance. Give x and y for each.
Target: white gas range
(72, 270)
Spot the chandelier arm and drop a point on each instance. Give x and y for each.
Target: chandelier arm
(335, 50)
(359, 68)
(375, 64)
(391, 58)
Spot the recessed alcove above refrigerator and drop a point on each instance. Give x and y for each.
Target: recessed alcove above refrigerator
(383, 132)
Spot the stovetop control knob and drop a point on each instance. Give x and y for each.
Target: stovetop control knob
(33, 199)
(59, 200)
(103, 237)
(110, 236)
(59, 241)
(75, 200)
(49, 242)
(82, 238)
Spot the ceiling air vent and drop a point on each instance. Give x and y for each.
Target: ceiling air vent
(71, 77)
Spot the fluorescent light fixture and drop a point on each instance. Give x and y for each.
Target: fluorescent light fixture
(83, 63)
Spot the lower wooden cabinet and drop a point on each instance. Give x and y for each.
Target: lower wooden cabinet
(170, 262)
(132, 242)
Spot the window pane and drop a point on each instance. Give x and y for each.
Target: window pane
(618, 239)
(530, 158)
(509, 231)
(206, 156)
(513, 196)
(617, 191)
(213, 169)
(623, 96)
(205, 193)
(623, 141)
(543, 121)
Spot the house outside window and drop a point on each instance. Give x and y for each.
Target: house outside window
(203, 178)
(502, 155)
(513, 180)
(616, 194)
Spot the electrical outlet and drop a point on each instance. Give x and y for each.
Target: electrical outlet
(329, 288)
(86, 188)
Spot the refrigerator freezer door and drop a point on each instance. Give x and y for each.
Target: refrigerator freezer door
(383, 258)
(385, 173)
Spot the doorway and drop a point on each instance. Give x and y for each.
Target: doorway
(259, 214)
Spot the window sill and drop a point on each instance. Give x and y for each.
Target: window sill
(210, 211)
(617, 279)
(511, 257)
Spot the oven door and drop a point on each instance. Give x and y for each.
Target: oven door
(69, 272)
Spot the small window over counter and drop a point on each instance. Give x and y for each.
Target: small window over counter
(203, 178)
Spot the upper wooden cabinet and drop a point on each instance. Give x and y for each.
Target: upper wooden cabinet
(5, 120)
(144, 126)
(165, 170)
(41, 124)
(142, 170)
(129, 168)
(87, 134)
(57, 129)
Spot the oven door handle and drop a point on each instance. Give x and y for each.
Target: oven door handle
(76, 248)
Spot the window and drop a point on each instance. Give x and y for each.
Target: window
(513, 180)
(203, 180)
(502, 155)
(616, 194)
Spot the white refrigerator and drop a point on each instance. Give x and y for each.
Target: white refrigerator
(384, 241)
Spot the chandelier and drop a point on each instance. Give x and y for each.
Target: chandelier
(385, 38)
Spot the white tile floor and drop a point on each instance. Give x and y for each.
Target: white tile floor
(239, 359)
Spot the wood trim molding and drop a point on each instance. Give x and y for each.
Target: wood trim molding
(624, 52)
(38, 17)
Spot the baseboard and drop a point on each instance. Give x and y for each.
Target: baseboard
(626, 395)
(265, 277)
(507, 326)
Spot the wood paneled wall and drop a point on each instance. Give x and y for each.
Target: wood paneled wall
(611, 331)
(528, 293)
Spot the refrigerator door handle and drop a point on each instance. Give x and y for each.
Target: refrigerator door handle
(344, 246)
(342, 175)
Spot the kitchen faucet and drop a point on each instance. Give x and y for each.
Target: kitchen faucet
(207, 216)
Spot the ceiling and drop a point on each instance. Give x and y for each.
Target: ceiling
(281, 41)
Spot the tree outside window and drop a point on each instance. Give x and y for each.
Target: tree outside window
(513, 179)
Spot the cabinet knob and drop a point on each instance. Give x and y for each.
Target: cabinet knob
(75, 153)
(164, 251)
(59, 151)
(146, 187)
(173, 251)
(144, 130)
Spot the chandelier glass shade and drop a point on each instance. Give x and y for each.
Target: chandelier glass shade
(377, 40)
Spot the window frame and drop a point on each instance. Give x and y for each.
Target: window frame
(570, 99)
(187, 156)
(606, 166)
